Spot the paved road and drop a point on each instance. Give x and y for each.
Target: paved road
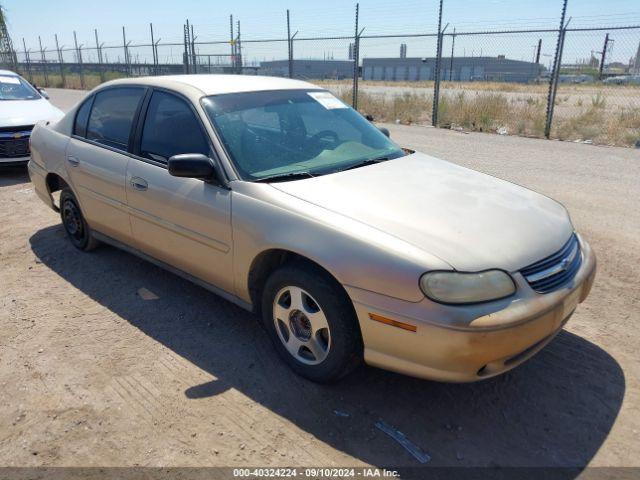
(91, 374)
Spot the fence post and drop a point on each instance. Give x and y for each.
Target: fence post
(555, 73)
(289, 46)
(185, 31)
(356, 48)
(239, 48)
(125, 46)
(233, 44)
(44, 63)
(99, 53)
(453, 46)
(61, 61)
(436, 85)
(193, 51)
(153, 51)
(28, 60)
(604, 56)
(79, 58)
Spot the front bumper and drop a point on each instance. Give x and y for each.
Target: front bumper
(467, 343)
(13, 161)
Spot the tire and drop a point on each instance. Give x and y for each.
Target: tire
(311, 322)
(74, 223)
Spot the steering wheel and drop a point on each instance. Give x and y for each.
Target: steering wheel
(316, 139)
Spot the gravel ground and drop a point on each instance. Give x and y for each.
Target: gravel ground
(91, 374)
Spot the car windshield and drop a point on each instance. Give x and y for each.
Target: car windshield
(13, 87)
(293, 133)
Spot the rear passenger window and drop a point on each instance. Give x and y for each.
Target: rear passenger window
(171, 128)
(112, 116)
(80, 125)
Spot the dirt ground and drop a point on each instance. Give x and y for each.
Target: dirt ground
(91, 374)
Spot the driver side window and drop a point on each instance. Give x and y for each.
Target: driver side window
(171, 128)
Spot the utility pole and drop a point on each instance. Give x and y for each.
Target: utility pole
(538, 50)
(603, 56)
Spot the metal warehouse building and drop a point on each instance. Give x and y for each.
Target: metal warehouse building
(466, 69)
(309, 69)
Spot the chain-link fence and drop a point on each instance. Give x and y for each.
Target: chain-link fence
(598, 97)
(580, 84)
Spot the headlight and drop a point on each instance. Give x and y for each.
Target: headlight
(454, 287)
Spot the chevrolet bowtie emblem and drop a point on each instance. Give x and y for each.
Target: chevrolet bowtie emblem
(17, 135)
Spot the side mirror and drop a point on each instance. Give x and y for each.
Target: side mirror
(385, 131)
(192, 165)
(43, 92)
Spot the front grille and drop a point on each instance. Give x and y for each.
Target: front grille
(552, 272)
(14, 141)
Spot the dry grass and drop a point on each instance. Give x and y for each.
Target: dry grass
(91, 80)
(492, 112)
(507, 87)
(479, 111)
(405, 108)
(493, 86)
(599, 126)
(592, 117)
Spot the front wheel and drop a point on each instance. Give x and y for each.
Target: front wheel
(311, 322)
(74, 223)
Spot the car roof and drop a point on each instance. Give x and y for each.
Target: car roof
(207, 84)
(8, 72)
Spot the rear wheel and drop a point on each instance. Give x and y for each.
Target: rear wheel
(74, 223)
(311, 323)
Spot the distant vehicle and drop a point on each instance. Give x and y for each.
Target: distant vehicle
(623, 80)
(617, 80)
(21, 107)
(279, 197)
(576, 78)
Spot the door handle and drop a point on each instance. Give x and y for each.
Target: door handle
(138, 183)
(73, 161)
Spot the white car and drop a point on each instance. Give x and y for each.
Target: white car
(21, 107)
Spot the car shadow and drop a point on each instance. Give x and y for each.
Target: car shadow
(14, 175)
(555, 410)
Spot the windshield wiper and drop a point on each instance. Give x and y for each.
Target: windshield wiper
(285, 177)
(364, 163)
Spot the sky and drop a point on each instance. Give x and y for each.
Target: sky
(261, 19)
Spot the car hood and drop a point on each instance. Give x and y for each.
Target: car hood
(27, 112)
(468, 219)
